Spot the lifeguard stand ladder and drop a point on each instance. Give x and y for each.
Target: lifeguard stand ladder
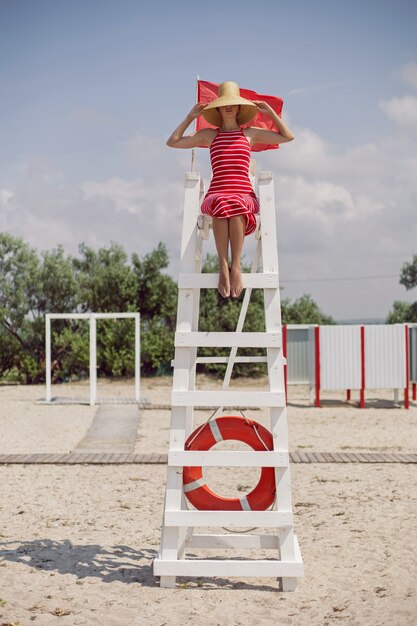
(179, 522)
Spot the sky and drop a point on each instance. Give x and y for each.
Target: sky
(90, 91)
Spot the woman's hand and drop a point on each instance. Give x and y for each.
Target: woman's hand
(262, 106)
(261, 135)
(196, 111)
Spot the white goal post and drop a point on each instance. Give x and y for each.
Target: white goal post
(92, 317)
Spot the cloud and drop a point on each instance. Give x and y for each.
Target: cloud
(46, 209)
(340, 212)
(314, 89)
(345, 213)
(5, 196)
(401, 110)
(409, 74)
(125, 195)
(317, 200)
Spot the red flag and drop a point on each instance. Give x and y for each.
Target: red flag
(207, 92)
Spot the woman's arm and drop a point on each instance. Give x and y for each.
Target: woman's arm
(201, 138)
(260, 135)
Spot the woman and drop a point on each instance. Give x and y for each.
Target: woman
(230, 199)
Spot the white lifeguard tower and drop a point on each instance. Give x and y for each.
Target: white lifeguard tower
(180, 522)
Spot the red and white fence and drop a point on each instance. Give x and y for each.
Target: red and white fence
(354, 357)
(413, 358)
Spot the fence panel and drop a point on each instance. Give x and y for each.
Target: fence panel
(385, 356)
(340, 357)
(297, 356)
(413, 353)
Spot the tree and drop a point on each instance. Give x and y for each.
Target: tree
(156, 299)
(303, 311)
(408, 276)
(405, 312)
(402, 313)
(19, 286)
(106, 280)
(32, 285)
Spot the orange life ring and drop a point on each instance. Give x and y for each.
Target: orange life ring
(227, 428)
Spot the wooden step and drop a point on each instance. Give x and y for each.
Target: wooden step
(222, 567)
(228, 458)
(227, 340)
(240, 541)
(229, 519)
(225, 359)
(251, 280)
(227, 398)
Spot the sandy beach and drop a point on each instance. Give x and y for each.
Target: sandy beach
(77, 542)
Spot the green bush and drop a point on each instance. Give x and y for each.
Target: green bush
(33, 284)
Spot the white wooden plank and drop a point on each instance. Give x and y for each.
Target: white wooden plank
(228, 458)
(290, 584)
(171, 538)
(266, 519)
(166, 582)
(272, 307)
(84, 316)
(268, 224)
(222, 340)
(241, 541)
(228, 398)
(48, 373)
(93, 360)
(242, 316)
(255, 280)
(239, 568)
(225, 359)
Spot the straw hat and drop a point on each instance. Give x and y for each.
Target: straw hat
(229, 94)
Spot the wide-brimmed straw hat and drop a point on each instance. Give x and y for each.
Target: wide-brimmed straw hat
(229, 94)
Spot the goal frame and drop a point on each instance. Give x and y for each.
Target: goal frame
(92, 317)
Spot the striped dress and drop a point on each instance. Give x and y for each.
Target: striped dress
(230, 192)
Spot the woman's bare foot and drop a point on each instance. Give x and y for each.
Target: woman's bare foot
(224, 281)
(236, 286)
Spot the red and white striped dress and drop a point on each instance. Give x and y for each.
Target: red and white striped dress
(230, 192)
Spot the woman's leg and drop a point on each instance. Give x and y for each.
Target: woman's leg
(221, 237)
(237, 226)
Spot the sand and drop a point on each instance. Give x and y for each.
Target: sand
(77, 542)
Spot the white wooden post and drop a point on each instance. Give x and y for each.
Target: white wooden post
(181, 416)
(93, 359)
(272, 307)
(48, 364)
(137, 357)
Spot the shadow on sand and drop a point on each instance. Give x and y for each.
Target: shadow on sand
(118, 563)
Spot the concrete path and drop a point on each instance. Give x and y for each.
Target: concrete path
(113, 430)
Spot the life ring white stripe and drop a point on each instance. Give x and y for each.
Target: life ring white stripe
(196, 484)
(245, 504)
(215, 430)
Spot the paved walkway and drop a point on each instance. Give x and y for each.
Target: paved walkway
(113, 430)
(102, 458)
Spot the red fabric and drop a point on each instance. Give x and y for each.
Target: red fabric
(207, 92)
(230, 192)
